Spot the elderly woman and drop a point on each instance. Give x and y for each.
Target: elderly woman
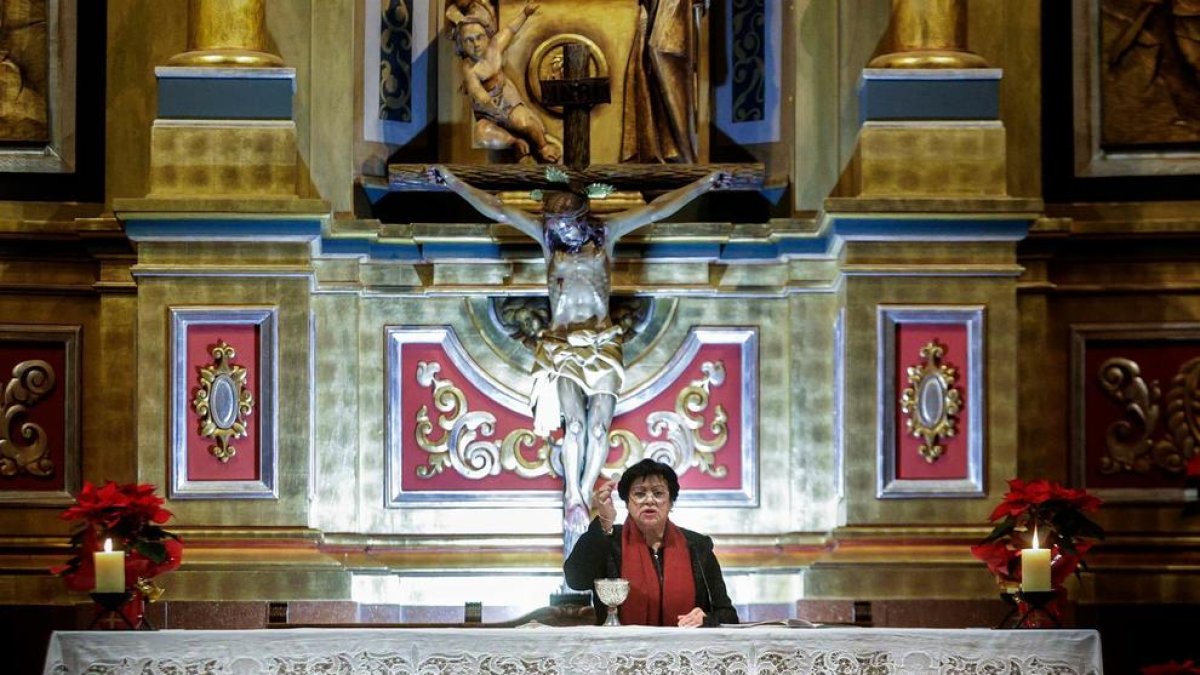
(674, 578)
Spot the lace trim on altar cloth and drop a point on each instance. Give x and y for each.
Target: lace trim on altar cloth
(684, 662)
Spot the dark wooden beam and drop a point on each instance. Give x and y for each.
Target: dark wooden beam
(642, 177)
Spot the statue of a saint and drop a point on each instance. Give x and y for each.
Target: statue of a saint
(660, 98)
(503, 119)
(578, 365)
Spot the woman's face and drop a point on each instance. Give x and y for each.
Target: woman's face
(649, 502)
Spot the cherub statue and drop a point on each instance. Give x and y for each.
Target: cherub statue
(578, 363)
(503, 119)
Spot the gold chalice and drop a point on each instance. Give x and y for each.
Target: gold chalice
(612, 592)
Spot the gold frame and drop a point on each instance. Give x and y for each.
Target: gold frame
(213, 422)
(931, 370)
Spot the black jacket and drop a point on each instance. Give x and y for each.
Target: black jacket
(598, 556)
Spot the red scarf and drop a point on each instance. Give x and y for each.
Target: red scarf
(648, 604)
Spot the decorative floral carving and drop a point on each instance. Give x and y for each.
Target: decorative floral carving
(23, 443)
(931, 402)
(1129, 441)
(223, 402)
(683, 438)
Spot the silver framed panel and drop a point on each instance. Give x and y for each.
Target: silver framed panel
(889, 485)
(267, 321)
(396, 497)
(1081, 335)
(68, 337)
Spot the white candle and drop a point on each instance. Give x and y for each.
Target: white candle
(110, 569)
(1035, 567)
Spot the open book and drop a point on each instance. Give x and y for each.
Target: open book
(787, 623)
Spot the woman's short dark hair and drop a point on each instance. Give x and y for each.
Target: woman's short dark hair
(643, 469)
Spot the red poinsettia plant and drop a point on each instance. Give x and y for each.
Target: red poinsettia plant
(131, 515)
(1056, 514)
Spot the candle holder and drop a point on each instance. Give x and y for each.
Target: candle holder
(1010, 600)
(111, 604)
(1035, 603)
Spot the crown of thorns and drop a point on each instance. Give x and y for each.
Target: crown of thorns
(556, 175)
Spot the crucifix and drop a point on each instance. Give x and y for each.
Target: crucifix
(578, 367)
(577, 94)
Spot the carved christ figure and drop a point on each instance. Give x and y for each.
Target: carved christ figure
(578, 364)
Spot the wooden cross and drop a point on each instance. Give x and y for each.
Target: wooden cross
(577, 94)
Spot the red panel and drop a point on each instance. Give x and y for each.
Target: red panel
(50, 413)
(1159, 361)
(727, 395)
(201, 464)
(910, 337)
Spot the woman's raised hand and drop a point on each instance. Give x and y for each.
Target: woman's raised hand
(602, 504)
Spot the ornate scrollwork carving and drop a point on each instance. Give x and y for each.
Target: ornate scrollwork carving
(1182, 420)
(1129, 441)
(23, 443)
(931, 402)
(223, 402)
(683, 438)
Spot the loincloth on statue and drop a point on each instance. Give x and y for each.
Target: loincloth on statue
(504, 99)
(593, 360)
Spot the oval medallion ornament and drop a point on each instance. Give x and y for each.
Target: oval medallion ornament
(931, 402)
(223, 402)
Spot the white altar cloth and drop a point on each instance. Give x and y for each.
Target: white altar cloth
(545, 650)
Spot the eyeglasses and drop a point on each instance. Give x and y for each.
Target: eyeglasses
(657, 497)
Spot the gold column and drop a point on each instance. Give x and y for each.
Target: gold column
(224, 33)
(929, 34)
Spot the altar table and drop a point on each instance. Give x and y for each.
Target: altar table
(593, 649)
